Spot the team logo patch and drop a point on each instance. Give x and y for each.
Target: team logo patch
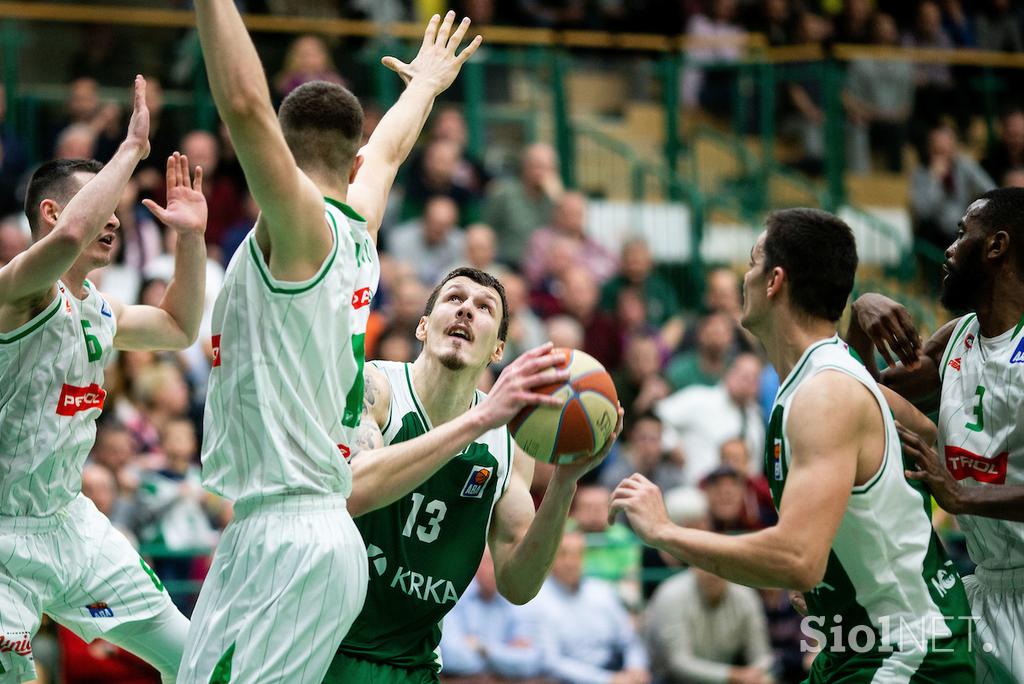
(478, 478)
(105, 309)
(955, 364)
(361, 298)
(215, 342)
(1018, 353)
(963, 464)
(20, 643)
(100, 610)
(969, 341)
(777, 458)
(346, 453)
(74, 399)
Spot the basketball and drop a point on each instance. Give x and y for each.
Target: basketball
(582, 425)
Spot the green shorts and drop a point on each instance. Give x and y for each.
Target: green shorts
(948, 662)
(348, 670)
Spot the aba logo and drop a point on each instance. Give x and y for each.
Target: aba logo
(476, 482)
(1018, 353)
(361, 298)
(100, 610)
(74, 399)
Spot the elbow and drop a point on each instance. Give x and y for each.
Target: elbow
(243, 103)
(806, 573)
(517, 595)
(71, 234)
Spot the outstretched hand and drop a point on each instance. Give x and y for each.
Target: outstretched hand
(186, 209)
(138, 125)
(436, 65)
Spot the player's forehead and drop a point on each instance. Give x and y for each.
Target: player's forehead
(970, 217)
(757, 250)
(469, 287)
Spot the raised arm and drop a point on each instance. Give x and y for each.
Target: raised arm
(291, 206)
(174, 324)
(33, 273)
(426, 77)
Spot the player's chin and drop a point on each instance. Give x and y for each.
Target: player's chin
(453, 359)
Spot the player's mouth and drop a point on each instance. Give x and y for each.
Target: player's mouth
(107, 240)
(461, 332)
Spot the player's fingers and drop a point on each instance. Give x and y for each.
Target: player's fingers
(536, 351)
(396, 65)
(139, 102)
(539, 363)
(186, 175)
(470, 49)
(197, 184)
(446, 28)
(155, 209)
(907, 323)
(548, 376)
(170, 171)
(915, 474)
(458, 35)
(430, 34)
(536, 398)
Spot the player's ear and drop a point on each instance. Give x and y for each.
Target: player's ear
(775, 280)
(49, 212)
(998, 244)
(421, 329)
(356, 165)
(499, 352)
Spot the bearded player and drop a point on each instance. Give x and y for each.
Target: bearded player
(852, 534)
(424, 548)
(60, 555)
(286, 388)
(973, 366)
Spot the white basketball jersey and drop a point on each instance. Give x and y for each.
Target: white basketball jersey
(981, 434)
(286, 387)
(51, 378)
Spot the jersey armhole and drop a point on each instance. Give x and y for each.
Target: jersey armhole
(286, 287)
(948, 353)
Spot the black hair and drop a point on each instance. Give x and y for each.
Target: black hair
(53, 181)
(1004, 210)
(323, 125)
(480, 278)
(818, 252)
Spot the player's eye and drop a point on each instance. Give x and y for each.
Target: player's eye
(454, 298)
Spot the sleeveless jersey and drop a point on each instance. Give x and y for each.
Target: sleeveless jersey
(51, 377)
(286, 387)
(887, 573)
(981, 435)
(424, 549)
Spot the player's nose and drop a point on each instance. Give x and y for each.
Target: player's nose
(114, 222)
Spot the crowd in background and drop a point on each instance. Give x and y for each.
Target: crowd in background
(691, 380)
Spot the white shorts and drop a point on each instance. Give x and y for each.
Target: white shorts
(75, 567)
(999, 628)
(287, 581)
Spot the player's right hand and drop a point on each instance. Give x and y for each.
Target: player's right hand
(889, 326)
(138, 125)
(436, 65)
(515, 387)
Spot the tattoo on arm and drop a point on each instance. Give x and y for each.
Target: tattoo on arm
(368, 434)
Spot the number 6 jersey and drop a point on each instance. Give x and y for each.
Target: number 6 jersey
(981, 434)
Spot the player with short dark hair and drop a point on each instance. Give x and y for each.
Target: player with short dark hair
(852, 534)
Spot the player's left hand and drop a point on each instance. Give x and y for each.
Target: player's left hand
(642, 502)
(580, 467)
(186, 209)
(930, 470)
(436, 65)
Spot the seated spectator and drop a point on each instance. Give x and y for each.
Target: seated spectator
(758, 504)
(775, 20)
(701, 628)
(307, 60)
(714, 33)
(855, 23)
(515, 207)
(77, 141)
(1007, 153)
(946, 182)
(481, 251)
(13, 240)
(560, 258)
(568, 221)
(405, 309)
(557, 14)
(612, 552)
(997, 26)
(564, 331)
(728, 509)
(806, 96)
(395, 345)
(160, 395)
(100, 486)
(449, 124)
(430, 244)
(935, 94)
(638, 381)
(700, 419)
(707, 363)
(525, 329)
(642, 452)
(879, 97)
(115, 450)
(578, 297)
(723, 294)
(86, 113)
(637, 270)
(438, 173)
(224, 196)
(485, 637)
(587, 634)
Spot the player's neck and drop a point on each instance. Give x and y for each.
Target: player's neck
(74, 280)
(789, 338)
(445, 393)
(1003, 308)
(329, 185)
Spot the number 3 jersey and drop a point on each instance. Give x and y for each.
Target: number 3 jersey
(51, 377)
(981, 434)
(286, 387)
(424, 549)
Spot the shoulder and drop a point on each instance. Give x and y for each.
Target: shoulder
(376, 391)
(832, 402)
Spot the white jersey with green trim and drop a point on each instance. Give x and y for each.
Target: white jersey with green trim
(981, 435)
(886, 570)
(286, 387)
(51, 392)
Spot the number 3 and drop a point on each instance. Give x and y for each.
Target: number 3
(979, 411)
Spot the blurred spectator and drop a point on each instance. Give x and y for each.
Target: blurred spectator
(560, 258)
(1006, 153)
(998, 27)
(642, 452)
(115, 449)
(395, 345)
(879, 97)
(935, 91)
(856, 23)
(485, 637)
(77, 141)
(639, 381)
(13, 240)
(406, 308)
(84, 108)
(758, 502)
(443, 170)
(957, 24)
(100, 487)
(163, 140)
(13, 162)
(568, 221)
(515, 207)
(159, 396)
(589, 636)
(100, 662)
(806, 95)
(223, 195)
(942, 186)
(307, 60)
(552, 13)
(775, 20)
(431, 243)
(525, 329)
(637, 270)
(564, 331)
(700, 419)
(481, 250)
(722, 296)
(701, 628)
(728, 511)
(578, 297)
(237, 232)
(713, 36)
(707, 363)
(612, 553)
(786, 635)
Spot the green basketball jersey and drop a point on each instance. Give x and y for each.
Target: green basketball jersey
(889, 589)
(425, 548)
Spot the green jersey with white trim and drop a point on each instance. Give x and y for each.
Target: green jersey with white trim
(425, 548)
(889, 588)
(286, 387)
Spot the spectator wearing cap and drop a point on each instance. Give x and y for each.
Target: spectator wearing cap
(726, 490)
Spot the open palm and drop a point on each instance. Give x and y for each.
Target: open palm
(186, 209)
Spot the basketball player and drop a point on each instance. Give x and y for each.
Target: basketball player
(286, 388)
(425, 547)
(972, 364)
(58, 553)
(852, 533)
